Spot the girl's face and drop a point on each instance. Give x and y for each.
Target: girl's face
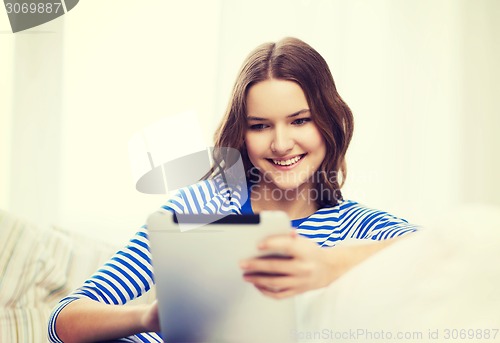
(281, 139)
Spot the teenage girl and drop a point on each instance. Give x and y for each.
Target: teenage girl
(292, 129)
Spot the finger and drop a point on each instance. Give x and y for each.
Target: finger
(283, 244)
(277, 293)
(270, 266)
(271, 283)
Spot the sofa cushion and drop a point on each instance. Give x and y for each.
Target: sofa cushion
(38, 267)
(33, 264)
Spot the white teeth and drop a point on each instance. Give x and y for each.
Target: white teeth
(287, 162)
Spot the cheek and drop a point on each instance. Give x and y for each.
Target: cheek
(255, 145)
(315, 141)
(316, 144)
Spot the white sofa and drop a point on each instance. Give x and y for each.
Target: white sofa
(441, 284)
(39, 266)
(443, 278)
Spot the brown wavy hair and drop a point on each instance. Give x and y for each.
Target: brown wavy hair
(294, 60)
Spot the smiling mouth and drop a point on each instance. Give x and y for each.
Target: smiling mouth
(288, 162)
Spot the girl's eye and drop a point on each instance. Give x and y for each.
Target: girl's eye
(257, 127)
(301, 121)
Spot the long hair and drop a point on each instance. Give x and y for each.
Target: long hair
(294, 60)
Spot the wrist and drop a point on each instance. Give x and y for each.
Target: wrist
(336, 262)
(149, 318)
(340, 259)
(140, 315)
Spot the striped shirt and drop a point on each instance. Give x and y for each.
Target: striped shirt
(129, 273)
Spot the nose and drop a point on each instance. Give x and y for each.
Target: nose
(282, 141)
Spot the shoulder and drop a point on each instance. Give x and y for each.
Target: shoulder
(349, 210)
(328, 216)
(208, 197)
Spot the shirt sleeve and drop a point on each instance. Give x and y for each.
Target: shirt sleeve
(350, 220)
(377, 225)
(127, 275)
(386, 226)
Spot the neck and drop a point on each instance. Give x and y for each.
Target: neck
(296, 203)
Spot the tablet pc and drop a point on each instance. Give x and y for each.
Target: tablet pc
(201, 293)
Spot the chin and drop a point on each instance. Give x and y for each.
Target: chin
(285, 188)
(288, 186)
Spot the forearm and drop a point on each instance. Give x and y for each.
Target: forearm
(343, 258)
(85, 320)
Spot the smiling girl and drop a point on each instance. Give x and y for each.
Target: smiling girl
(292, 129)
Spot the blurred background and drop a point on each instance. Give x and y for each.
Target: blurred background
(421, 77)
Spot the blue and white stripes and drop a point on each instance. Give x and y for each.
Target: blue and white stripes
(350, 220)
(126, 276)
(129, 274)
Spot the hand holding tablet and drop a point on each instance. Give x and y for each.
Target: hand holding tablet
(202, 294)
(300, 265)
(268, 256)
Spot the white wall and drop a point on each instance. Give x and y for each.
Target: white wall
(36, 124)
(6, 87)
(133, 65)
(398, 69)
(480, 108)
(414, 72)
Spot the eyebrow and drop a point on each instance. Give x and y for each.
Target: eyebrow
(295, 114)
